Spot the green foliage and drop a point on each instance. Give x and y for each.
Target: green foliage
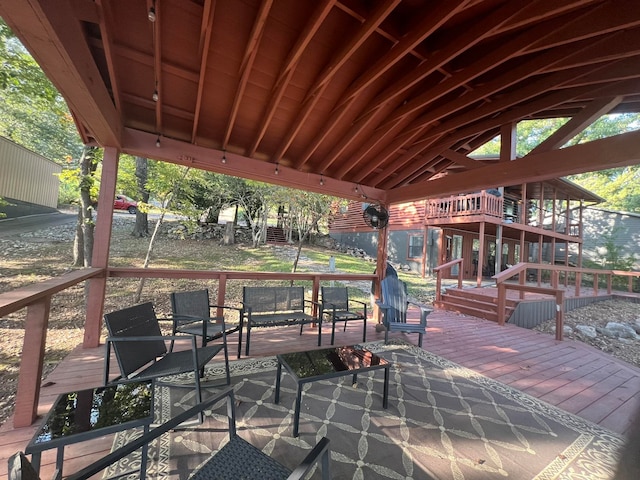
(32, 112)
(620, 187)
(612, 255)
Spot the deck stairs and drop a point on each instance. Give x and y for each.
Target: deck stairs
(468, 301)
(276, 235)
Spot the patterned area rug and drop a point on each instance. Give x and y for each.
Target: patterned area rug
(443, 421)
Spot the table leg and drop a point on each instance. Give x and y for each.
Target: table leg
(278, 373)
(355, 379)
(59, 462)
(385, 394)
(145, 455)
(35, 461)
(296, 413)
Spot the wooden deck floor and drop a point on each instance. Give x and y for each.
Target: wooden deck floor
(568, 374)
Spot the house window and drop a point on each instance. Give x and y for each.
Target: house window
(416, 242)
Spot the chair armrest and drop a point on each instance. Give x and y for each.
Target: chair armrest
(145, 439)
(226, 306)
(147, 338)
(425, 310)
(320, 452)
(364, 304)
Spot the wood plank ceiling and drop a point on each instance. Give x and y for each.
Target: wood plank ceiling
(353, 97)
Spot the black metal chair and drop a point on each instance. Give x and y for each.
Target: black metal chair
(337, 306)
(191, 314)
(236, 460)
(394, 305)
(141, 350)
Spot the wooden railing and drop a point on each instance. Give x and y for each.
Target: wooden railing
(36, 299)
(554, 272)
(461, 205)
(441, 268)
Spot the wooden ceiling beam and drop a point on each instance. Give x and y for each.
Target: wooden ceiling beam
(105, 23)
(394, 55)
(144, 59)
(428, 24)
(467, 38)
(311, 28)
(157, 65)
(206, 28)
(406, 116)
(577, 124)
(406, 170)
(250, 53)
(617, 151)
(60, 46)
(601, 20)
(489, 62)
(183, 153)
(314, 94)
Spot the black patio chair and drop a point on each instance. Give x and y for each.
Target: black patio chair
(141, 350)
(337, 306)
(394, 305)
(236, 460)
(191, 314)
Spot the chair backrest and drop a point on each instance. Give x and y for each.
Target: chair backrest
(273, 299)
(394, 294)
(192, 304)
(137, 321)
(338, 296)
(21, 469)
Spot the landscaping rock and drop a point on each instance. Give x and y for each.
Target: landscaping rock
(587, 331)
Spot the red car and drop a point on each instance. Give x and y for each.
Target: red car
(122, 202)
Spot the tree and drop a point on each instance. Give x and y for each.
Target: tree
(32, 112)
(305, 211)
(165, 181)
(141, 228)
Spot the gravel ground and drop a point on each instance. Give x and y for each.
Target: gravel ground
(34, 257)
(598, 315)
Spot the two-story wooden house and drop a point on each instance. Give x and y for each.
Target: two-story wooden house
(489, 229)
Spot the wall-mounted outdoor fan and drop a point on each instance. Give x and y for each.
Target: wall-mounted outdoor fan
(376, 216)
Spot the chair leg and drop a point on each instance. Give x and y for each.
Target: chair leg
(246, 348)
(420, 340)
(333, 330)
(226, 358)
(364, 330)
(386, 335)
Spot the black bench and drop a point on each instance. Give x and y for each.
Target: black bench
(275, 307)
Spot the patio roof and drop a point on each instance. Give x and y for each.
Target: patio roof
(383, 99)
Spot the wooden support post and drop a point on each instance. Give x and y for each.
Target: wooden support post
(222, 293)
(480, 255)
(97, 286)
(502, 303)
(31, 361)
(381, 267)
(609, 283)
(595, 284)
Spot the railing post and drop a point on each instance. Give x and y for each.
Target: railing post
(559, 314)
(596, 286)
(502, 302)
(460, 274)
(314, 294)
(630, 287)
(31, 361)
(438, 285)
(578, 283)
(222, 293)
(609, 283)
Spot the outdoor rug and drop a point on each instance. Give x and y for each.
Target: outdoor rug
(444, 421)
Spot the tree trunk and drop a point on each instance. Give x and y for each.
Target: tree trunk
(141, 228)
(84, 232)
(78, 242)
(228, 237)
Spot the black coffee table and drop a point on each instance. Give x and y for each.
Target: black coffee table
(306, 367)
(87, 414)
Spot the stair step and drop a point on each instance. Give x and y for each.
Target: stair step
(469, 302)
(469, 293)
(466, 310)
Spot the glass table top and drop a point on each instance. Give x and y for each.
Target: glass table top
(331, 360)
(90, 410)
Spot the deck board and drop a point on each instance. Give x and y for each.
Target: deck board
(571, 375)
